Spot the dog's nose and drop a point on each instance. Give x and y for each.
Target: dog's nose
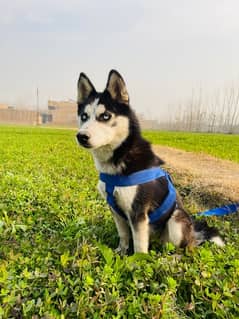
(83, 138)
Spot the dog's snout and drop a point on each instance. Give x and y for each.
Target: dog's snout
(83, 138)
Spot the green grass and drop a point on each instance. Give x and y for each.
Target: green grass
(57, 239)
(218, 145)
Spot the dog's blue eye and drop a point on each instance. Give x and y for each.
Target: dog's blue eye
(84, 117)
(105, 116)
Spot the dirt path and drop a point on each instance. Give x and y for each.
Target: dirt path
(220, 176)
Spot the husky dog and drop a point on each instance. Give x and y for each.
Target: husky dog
(110, 130)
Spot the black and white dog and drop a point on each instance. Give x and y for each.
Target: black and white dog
(110, 130)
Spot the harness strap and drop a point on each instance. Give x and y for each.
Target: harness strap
(111, 200)
(138, 178)
(167, 204)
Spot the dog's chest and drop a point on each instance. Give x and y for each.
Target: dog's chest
(124, 196)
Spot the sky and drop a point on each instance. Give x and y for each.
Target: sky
(163, 49)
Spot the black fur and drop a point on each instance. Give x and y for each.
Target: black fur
(201, 226)
(135, 152)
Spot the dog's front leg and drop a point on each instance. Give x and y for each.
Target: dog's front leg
(124, 233)
(140, 231)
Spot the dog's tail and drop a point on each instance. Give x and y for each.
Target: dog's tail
(204, 232)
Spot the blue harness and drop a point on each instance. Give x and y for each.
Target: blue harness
(138, 178)
(148, 175)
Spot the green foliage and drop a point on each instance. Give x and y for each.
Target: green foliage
(57, 239)
(219, 145)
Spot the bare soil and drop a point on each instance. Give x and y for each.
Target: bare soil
(219, 176)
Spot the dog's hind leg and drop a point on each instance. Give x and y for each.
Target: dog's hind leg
(124, 233)
(179, 230)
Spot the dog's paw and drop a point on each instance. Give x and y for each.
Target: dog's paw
(121, 250)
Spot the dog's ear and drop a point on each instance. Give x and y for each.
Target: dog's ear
(85, 88)
(117, 88)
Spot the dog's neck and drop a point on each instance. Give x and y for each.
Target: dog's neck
(134, 154)
(102, 157)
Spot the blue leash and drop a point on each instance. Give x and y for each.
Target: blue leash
(221, 211)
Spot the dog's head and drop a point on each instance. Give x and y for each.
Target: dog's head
(103, 117)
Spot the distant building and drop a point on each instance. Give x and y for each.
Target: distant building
(63, 113)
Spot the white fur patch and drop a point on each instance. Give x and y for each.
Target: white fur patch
(100, 109)
(101, 157)
(90, 109)
(125, 197)
(217, 240)
(173, 232)
(121, 130)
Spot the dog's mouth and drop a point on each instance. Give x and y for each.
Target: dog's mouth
(85, 145)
